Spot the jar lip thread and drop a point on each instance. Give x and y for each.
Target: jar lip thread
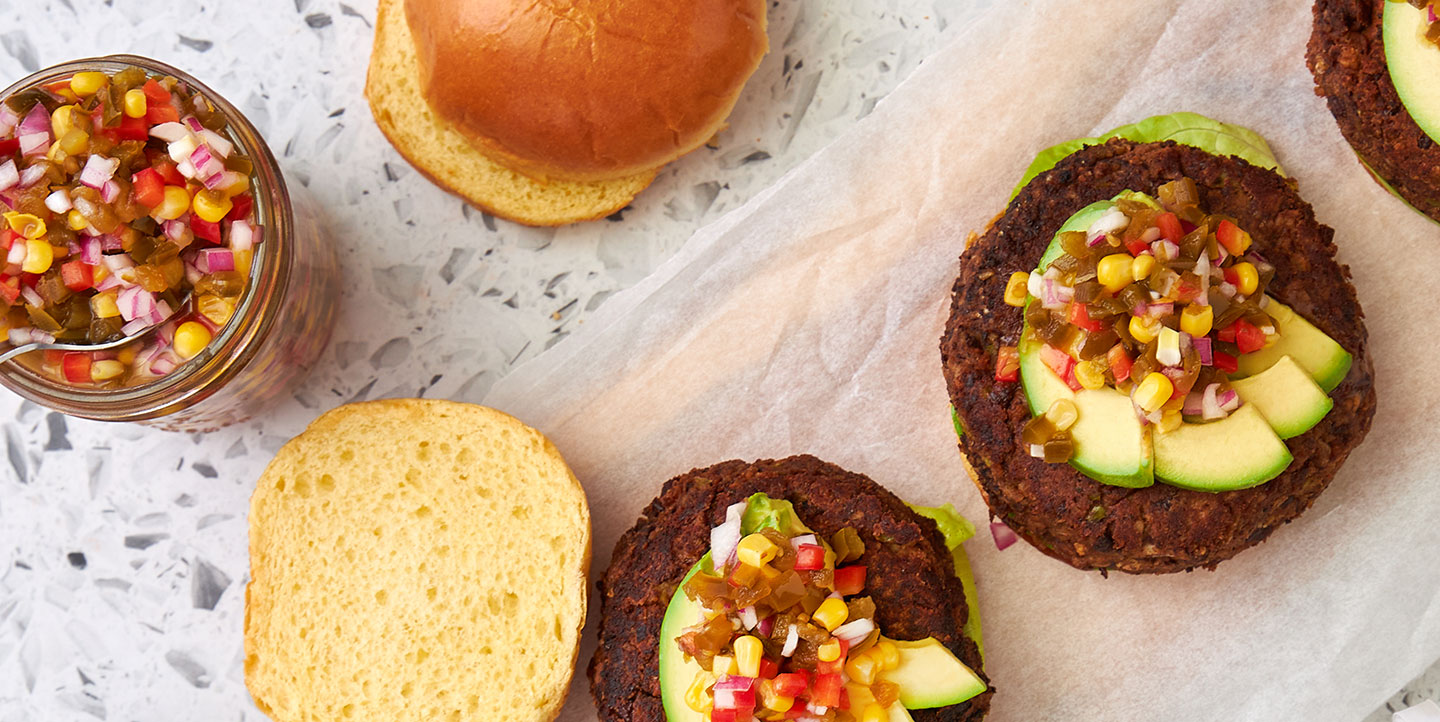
(236, 343)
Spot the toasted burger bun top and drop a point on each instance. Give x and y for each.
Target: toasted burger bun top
(586, 89)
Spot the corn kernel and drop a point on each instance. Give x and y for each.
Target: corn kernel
(38, 257)
(106, 370)
(191, 338)
(862, 668)
(1197, 320)
(1141, 267)
(1062, 413)
(697, 695)
(1154, 391)
(241, 184)
(724, 664)
(887, 654)
(75, 221)
(177, 201)
(1114, 271)
(755, 550)
(75, 141)
(135, 104)
(748, 651)
(102, 305)
(126, 355)
(1016, 289)
(1167, 347)
(1144, 329)
(88, 83)
(1249, 278)
(26, 224)
(62, 121)
(1170, 421)
(212, 206)
(832, 613)
(829, 650)
(1090, 375)
(874, 713)
(771, 700)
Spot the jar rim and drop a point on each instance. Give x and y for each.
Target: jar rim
(236, 343)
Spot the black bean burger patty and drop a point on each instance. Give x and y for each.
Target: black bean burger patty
(1346, 55)
(1161, 528)
(910, 574)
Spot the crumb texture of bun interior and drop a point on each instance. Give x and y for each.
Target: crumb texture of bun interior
(586, 89)
(415, 560)
(449, 159)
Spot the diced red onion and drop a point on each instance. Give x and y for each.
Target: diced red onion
(36, 122)
(21, 335)
(34, 144)
(1002, 535)
(170, 132)
(57, 202)
(161, 311)
(162, 365)
(1228, 290)
(8, 119)
(853, 632)
(192, 274)
(1155, 417)
(9, 175)
(110, 192)
(1210, 406)
(1174, 373)
(216, 142)
(242, 236)
(1066, 293)
(181, 149)
(1113, 220)
(133, 327)
(32, 297)
(1193, 405)
(174, 230)
(1204, 349)
(32, 175)
(17, 253)
(98, 169)
(1432, 16)
(1165, 250)
(193, 123)
(111, 242)
(1229, 400)
(1150, 235)
(118, 261)
(726, 537)
(111, 281)
(206, 164)
(766, 625)
(749, 618)
(215, 260)
(1140, 309)
(135, 302)
(7, 197)
(792, 640)
(1157, 310)
(73, 248)
(797, 541)
(216, 180)
(186, 168)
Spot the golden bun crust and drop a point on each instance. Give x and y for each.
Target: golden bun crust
(586, 89)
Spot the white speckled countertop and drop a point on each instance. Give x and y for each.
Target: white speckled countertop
(122, 549)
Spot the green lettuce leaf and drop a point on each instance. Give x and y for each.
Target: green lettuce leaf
(956, 529)
(1185, 128)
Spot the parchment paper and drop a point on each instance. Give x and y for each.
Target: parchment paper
(808, 321)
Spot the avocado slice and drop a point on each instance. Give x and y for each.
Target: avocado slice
(1237, 452)
(1286, 396)
(1324, 359)
(676, 671)
(1414, 64)
(1111, 446)
(929, 675)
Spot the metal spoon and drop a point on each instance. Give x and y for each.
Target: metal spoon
(42, 346)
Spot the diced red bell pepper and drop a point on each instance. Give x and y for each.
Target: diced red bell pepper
(76, 275)
(1248, 338)
(1080, 316)
(826, 690)
(9, 289)
(165, 167)
(1227, 363)
(809, 558)
(850, 580)
(154, 92)
(1232, 277)
(147, 188)
(791, 684)
(1120, 362)
(1170, 228)
(1136, 246)
(1227, 334)
(844, 699)
(1071, 381)
(54, 357)
(1058, 361)
(768, 668)
(1187, 226)
(1231, 237)
(240, 207)
(9, 147)
(8, 237)
(725, 715)
(205, 230)
(132, 129)
(76, 367)
(1007, 364)
(157, 113)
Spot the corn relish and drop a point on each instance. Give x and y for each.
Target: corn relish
(1432, 18)
(1157, 299)
(787, 633)
(123, 198)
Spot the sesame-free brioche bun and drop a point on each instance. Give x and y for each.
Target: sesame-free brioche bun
(553, 111)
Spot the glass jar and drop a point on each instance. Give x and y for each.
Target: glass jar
(279, 328)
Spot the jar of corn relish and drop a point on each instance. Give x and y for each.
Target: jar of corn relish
(138, 202)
